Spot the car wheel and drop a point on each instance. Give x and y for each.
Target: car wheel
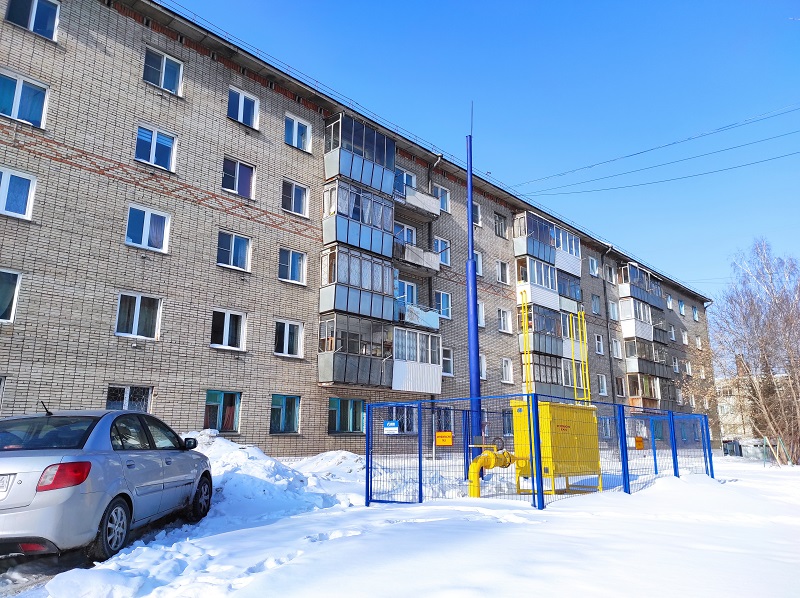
(113, 532)
(201, 502)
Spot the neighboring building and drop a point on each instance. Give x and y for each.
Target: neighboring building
(188, 230)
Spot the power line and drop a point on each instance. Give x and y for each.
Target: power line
(689, 176)
(747, 121)
(611, 176)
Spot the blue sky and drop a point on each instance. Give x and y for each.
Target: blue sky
(561, 85)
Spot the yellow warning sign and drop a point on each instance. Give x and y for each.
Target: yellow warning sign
(444, 439)
(639, 443)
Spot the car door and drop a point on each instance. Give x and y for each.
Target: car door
(141, 464)
(179, 468)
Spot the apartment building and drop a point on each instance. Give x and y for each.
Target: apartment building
(188, 230)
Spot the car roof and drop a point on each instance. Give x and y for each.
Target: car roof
(98, 413)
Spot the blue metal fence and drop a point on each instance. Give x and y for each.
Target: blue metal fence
(533, 448)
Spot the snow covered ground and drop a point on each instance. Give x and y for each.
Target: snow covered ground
(303, 531)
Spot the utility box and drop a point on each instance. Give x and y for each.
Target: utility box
(570, 446)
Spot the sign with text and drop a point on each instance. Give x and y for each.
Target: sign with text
(444, 439)
(391, 426)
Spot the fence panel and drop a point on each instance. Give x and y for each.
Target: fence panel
(393, 453)
(690, 442)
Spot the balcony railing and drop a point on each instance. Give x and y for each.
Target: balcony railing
(419, 260)
(415, 315)
(420, 203)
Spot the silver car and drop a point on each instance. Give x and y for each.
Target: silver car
(86, 478)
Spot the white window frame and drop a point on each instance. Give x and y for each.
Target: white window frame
(599, 347)
(233, 242)
(703, 372)
(20, 79)
(242, 333)
(405, 231)
(295, 184)
(593, 267)
(685, 337)
(507, 370)
(675, 365)
(236, 190)
(695, 313)
(596, 303)
(303, 274)
(504, 321)
(297, 119)
(160, 85)
(669, 301)
(478, 263)
(672, 332)
(136, 313)
(612, 277)
(497, 217)
(687, 366)
(616, 348)
(407, 174)
(499, 271)
(681, 307)
(32, 16)
(482, 366)
(602, 385)
(408, 285)
(481, 314)
(153, 143)
(240, 112)
(698, 342)
(437, 193)
(16, 296)
(300, 338)
(127, 395)
(616, 389)
(442, 247)
(479, 220)
(447, 356)
(7, 173)
(440, 295)
(146, 228)
(613, 310)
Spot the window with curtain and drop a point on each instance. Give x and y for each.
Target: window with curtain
(222, 410)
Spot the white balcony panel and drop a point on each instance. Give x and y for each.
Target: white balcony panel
(624, 289)
(631, 365)
(539, 296)
(567, 304)
(567, 351)
(637, 328)
(422, 316)
(422, 201)
(568, 262)
(418, 256)
(412, 376)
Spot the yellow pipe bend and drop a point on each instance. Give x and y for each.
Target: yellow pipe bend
(486, 460)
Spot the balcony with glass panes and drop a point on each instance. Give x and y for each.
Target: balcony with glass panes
(356, 216)
(644, 391)
(660, 327)
(544, 330)
(634, 281)
(643, 357)
(356, 282)
(635, 319)
(355, 351)
(417, 363)
(535, 236)
(537, 283)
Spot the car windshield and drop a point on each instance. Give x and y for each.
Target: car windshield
(45, 432)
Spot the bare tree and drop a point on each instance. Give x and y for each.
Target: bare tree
(756, 333)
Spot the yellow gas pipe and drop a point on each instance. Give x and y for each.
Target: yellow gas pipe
(486, 460)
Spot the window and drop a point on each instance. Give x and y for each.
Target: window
(671, 332)
(687, 367)
(227, 330)
(502, 272)
(447, 362)
(294, 198)
(613, 310)
(163, 71)
(16, 193)
(616, 348)
(155, 147)
(571, 379)
(9, 290)
(163, 437)
(39, 16)
(133, 398)
(681, 307)
(405, 233)
(137, 315)
(127, 434)
(569, 286)
(243, 107)
(698, 342)
(444, 198)
(610, 274)
(507, 375)
(222, 410)
(237, 177)
(442, 247)
(403, 179)
(406, 418)
(602, 388)
(22, 99)
(685, 337)
(345, 415)
(566, 241)
(669, 301)
(702, 372)
(675, 367)
(147, 229)
(500, 226)
(284, 417)
(406, 292)
(619, 386)
(411, 345)
(595, 304)
(292, 266)
(538, 273)
(442, 303)
(477, 220)
(443, 419)
(481, 314)
(598, 344)
(593, 266)
(482, 366)
(504, 321)
(297, 133)
(233, 251)
(288, 338)
(695, 314)
(478, 263)
(606, 427)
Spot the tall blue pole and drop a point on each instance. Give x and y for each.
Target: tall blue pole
(472, 313)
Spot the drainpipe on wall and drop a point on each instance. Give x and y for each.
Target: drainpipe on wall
(608, 326)
(431, 168)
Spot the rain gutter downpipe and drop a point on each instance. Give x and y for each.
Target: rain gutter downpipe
(602, 273)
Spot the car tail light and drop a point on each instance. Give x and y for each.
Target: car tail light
(63, 475)
(30, 547)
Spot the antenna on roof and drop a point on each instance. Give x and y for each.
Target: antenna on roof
(46, 410)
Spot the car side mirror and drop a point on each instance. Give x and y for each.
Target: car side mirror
(190, 443)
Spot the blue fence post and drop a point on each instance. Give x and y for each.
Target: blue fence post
(419, 445)
(368, 440)
(674, 444)
(702, 426)
(623, 448)
(537, 451)
(653, 443)
(529, 402)
(708, 440)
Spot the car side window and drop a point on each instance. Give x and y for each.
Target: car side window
(162, 435)
(127, 434)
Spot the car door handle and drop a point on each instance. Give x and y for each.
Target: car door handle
(130, 464)
(168, 461)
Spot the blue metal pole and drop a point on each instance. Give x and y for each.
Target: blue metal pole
(674, 444)
(419, 446)
(623, 448)
(472, 313)
(702, 425)
(537, 451)
(465, 428)
(708, 439)
(368, 439)
(653, 443)
(534, 481)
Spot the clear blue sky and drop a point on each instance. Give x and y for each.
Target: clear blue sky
(560, 85)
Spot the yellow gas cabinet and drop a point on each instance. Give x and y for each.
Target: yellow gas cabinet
(570, 446)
